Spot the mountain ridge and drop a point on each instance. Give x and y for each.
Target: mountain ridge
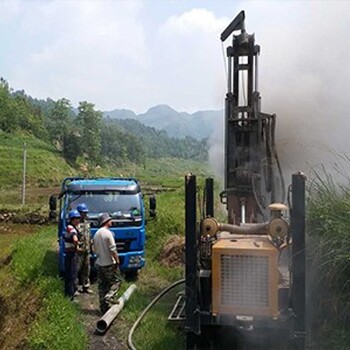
(198, 125)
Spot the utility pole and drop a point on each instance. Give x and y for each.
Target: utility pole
(24, 173)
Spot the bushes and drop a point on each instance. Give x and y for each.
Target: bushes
(328, 226)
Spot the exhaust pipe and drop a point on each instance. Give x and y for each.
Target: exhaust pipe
(275, 227)
(105, 321)
(211, 226)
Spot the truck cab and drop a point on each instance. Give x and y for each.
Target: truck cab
(123, 200)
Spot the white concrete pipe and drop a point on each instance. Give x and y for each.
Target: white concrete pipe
(105, 321)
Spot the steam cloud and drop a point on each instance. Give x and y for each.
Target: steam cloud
(304, 77)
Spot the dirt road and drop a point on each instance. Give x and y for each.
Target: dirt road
(90, 314)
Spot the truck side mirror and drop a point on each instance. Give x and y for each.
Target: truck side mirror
(152, 206)
(53, 207)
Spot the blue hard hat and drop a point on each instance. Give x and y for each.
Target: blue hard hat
(82, 207)
(74, 214)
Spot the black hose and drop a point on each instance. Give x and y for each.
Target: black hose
(269, 178)
(273, 128)
(203, 204)
(164, 291)
(258, 198)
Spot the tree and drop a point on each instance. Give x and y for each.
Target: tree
(29, 118)
(60, 121)
(8, 121)
(71, 146)
(112, 146)
(89, 123)
(135, 151)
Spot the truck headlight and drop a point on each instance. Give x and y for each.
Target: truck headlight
(135, 260)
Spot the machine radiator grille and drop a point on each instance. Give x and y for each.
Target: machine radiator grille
(244, 280)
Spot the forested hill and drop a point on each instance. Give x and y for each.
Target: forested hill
(198, 125)
(157, 143)
(84, 134)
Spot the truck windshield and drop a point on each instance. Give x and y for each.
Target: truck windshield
(110, 202)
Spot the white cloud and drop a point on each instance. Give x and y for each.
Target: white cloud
(196, 20)
(111, 54)
(188, 53)
(82, 50)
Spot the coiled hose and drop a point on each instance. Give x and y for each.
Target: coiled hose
(163, 292)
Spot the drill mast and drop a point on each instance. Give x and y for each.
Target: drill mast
(250, 154)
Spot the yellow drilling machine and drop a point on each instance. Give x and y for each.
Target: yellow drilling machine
(245, 278)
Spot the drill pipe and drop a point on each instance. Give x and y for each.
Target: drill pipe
(105, 321)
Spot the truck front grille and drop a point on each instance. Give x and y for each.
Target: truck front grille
(123, 246)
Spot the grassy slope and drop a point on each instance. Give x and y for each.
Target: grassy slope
(45, 167)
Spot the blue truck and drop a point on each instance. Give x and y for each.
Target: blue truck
(122, 199)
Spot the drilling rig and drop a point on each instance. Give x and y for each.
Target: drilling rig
(247, 275)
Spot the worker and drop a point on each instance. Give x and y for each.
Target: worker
(84, 250)
(71, 246)
(107, 263)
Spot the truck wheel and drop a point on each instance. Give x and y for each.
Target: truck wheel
(131, 275)
(61, 273)
(191, 341)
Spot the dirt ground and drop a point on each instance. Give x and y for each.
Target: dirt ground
(173, 252)
(90, 315)
(172, 255)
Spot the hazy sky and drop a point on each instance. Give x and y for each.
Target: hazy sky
(130, 54)
(137, 54)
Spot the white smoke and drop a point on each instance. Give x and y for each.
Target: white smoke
(304, 77)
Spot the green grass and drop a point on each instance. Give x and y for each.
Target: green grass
(56, 325)
(153, 279)
(328, 227)
(171, 171)
(45, 166)
(6, 242)
(46, 169)
(34, 265)
(164, 335)
(32, 279)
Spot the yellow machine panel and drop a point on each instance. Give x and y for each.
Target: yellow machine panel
(245, 276)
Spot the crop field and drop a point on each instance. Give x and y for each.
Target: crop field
(29, 275)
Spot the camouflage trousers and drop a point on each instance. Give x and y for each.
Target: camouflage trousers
(84, 269)
(109, 281)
